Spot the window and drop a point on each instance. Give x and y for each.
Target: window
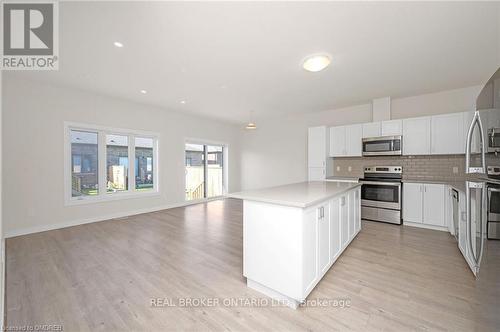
(204, 171)
(117, 162)
(84, 156)
(98, 163)
(144, 163)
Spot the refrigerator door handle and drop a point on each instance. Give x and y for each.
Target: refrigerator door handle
(475, 256)
(476, 120)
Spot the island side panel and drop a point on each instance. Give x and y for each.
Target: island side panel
(272, 250)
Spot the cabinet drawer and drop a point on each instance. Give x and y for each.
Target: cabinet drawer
(370, 213)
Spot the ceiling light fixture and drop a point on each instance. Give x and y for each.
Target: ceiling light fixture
(317, 62)
(144, 92)
(118, 44)
(182, 101)
(251, 125)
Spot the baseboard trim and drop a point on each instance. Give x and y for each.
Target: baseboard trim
(436, 228)
(44, 228)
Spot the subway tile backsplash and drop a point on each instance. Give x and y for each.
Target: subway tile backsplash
(439, 167)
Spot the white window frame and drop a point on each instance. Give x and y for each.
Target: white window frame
(103, 195)
(225, 166)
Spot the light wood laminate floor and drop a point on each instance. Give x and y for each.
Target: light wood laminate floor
(102, 277)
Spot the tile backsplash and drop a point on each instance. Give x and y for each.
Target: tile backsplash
(442, 167)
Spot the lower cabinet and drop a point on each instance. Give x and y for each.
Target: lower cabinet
(424, 203)
(328, 229)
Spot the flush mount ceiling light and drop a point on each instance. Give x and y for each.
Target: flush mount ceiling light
(182, 101)
(251, 125)
(118, 44)
(317, 62)
(144, 92)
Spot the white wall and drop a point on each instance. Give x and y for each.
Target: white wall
(34, 116)
(276, 153)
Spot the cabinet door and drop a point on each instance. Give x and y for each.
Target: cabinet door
(392, 128)
(324, 237)
(447, 134)
(417, 136)
(310, 247)
(351, 213)
(434, 195)
(344, 220)
(337, 141)
(371, 129)
(316, 147)
(357, 210)
(413, 202)
(317, 173)
(354, 134)
(335, 229)
(476, 139)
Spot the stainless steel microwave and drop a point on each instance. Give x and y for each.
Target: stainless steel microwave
(493, 139)
(382, 146)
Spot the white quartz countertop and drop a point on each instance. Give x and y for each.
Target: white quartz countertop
(301, 195)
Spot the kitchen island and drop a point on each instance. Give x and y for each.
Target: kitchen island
(293, 234)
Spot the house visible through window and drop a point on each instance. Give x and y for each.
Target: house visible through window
(117, 152)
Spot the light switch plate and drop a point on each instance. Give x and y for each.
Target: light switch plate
(349, 168)
(338, 168)
(455, 170)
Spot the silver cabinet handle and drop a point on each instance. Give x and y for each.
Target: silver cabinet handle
(476, 120)
(476, 257)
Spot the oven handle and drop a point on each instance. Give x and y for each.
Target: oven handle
(393, 184)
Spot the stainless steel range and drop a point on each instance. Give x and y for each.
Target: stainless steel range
(381, 194)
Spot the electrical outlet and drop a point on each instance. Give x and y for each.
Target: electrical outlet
(338, 168)
(349, 168)
(455, 170)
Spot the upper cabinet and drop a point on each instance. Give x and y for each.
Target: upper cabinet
(345, 141)
(372, 129)
(317, 146)
(417, 136)
(447, 134)
(392, 128)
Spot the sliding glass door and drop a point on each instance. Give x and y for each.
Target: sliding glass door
(204, 171)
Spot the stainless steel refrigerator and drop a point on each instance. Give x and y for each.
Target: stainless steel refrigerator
(478, 235)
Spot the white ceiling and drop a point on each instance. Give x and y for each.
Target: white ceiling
(226, 59)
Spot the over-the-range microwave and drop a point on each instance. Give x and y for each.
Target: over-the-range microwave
(382, 146)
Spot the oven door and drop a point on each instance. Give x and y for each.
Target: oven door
(385, 195)
(380, 146)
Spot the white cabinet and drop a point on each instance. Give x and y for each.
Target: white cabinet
(317, 151)
(354, 135)
(447, 134)
(317, 173)
(372, 129)
(317, 146)
(351, 213)
(412, 202)
(335, 230)
(345, 141)
(424, 203)
(323, 220)
(344, 220)
(338, 141)
(357, 210)
(434, 204)
(417, 136)
(392, 128)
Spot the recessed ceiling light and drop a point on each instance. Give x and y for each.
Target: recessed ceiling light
(316, 62)
(118, 44)
(144, 92)
(182, 101)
